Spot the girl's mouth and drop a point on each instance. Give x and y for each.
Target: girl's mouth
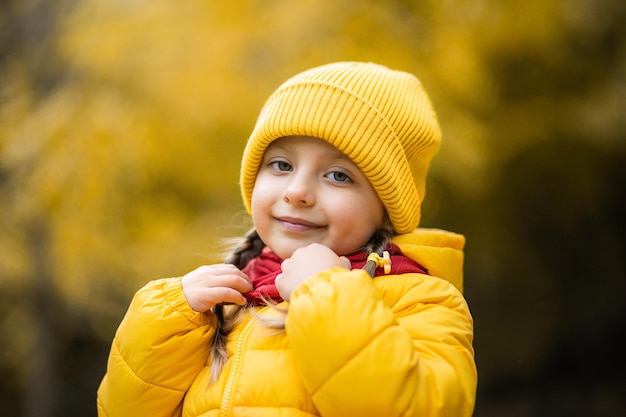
(296, 225)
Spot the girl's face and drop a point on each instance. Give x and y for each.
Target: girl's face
(307, 192)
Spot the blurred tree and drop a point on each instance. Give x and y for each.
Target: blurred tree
(541, 212)
(122, 125)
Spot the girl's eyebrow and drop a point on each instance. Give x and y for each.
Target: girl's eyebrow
(340, 156)
(278, 147)
(332, 154)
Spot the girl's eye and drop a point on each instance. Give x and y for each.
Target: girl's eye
(281, 166)
(339, 176)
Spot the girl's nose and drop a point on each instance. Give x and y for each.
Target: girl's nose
(299, 191)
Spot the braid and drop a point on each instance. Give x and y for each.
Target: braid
(249, 248)
(378, 243)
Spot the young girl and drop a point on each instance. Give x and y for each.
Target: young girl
(336, 304)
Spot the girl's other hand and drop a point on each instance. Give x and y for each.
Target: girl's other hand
(214, 284)
(304, 263)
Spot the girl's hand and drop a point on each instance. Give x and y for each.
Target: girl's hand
(304, 263)
(215, 284)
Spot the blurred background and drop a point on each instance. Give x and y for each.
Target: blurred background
(122, 124)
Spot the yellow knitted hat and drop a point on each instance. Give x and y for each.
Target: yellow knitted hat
(380, 118)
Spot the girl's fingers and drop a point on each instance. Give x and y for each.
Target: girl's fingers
(346, 262)
(220, 269)
(219, 295)
(221, 275)
(230, 281)
(209, 285)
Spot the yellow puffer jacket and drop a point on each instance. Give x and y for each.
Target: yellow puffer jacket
(396, 345)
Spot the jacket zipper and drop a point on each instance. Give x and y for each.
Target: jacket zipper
(234, 370)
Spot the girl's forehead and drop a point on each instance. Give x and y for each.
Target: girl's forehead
(293, 143)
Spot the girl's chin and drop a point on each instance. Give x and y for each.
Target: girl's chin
(286, 251)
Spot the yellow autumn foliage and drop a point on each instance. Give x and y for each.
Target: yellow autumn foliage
(122, 124)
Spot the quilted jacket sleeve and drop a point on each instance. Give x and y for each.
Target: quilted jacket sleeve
(399, 347)
(159, 348)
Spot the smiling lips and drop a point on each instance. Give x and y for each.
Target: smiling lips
(296, 225)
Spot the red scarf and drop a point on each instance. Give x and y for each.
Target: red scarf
(263, 269)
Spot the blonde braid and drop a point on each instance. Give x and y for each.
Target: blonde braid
(250, 247)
